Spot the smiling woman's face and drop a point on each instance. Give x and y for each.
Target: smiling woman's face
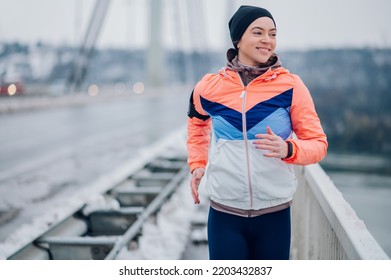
(258, 42)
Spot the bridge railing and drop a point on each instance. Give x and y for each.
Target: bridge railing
(324, 225)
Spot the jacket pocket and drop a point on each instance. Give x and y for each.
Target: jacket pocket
(271, 178)
(226, 174)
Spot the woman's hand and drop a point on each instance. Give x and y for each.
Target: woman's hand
(196, 177)
(273, 143)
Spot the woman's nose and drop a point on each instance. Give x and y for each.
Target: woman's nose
(266, 39)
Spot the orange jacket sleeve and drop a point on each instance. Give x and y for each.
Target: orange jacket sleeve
(198, 132)
(310, 146)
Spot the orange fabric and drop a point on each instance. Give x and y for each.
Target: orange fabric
(198, 132)
(311, 143)
(225, 88)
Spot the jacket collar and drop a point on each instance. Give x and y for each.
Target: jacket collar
(249, 73)
(269, 75)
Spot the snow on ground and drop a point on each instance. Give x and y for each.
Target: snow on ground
(163, 237)
(166, 237)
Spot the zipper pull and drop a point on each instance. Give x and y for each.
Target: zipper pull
(243, 93)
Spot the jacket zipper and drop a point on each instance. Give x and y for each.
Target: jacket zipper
(243, 95)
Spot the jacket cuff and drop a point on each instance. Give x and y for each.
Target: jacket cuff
(196, 165)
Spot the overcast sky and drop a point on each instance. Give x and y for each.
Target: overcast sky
(301, 24)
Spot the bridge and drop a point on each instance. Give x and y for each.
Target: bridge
(324, 225)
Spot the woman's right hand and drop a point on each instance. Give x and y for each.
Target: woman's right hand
(196, 177)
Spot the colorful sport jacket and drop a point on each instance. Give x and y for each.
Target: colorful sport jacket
(224, 117)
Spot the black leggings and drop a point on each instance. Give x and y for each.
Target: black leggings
(265, 237)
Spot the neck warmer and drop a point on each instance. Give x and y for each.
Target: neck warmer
(249, 73)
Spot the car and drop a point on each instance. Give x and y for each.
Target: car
(11, 87)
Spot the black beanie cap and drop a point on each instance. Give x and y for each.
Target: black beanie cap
(242, 18)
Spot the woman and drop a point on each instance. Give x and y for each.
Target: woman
(262, 120)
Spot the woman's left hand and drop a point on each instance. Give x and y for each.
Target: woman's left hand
(273, 143)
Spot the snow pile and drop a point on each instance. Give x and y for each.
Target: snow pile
(163, 237)
(99, 203)
(31, 231)
(166, 236)
(49, 192)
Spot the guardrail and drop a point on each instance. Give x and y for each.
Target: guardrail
(324, 225)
